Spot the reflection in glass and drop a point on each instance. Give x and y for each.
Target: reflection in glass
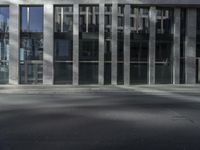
(198, 48)
(88, 73)
(31, 73)
(31, 45)
(63, 49)
(182, 46)
(139, 44)
(120, 45)
(4, 45)
(31, 19)
(138, 73)
(88, 44)
(88, 50)
(107, 46)
(63, 73)
(63, 44)
(164, 46)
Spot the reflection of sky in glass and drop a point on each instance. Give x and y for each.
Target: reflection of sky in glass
(4, 15)
(36, 19)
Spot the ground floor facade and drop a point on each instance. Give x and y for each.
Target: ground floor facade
(105, 42)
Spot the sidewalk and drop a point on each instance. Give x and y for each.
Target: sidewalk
(65, 89)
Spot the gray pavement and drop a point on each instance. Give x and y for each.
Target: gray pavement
(100, 118)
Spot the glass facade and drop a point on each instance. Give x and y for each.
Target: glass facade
(120, 45)
(88, 44)
(84, 40)
(164, 46)
(31, 45)
(139, 45)
(107, 49)
(63, 44)
(198, 48)
(4, 44)
(182, 46)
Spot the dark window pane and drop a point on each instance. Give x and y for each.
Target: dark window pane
(139, 50)
(163, 51)
(63, 49)
(163, 73)
(4, 72)
(63, 73)
(107, 73)
(138, 73)
(88, 73)
(107, 52)
(120, 50)
(120, 73)
(88, 50)
(198, 70)
(182, 71)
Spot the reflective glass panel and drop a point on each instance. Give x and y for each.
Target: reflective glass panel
(4, 44)
(63, 44)
(164, 45)
(88, 44)
(138, 73)
(88, 73)
(31, 45)
(63, 73)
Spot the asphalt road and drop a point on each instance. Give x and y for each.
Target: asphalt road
(100, 121)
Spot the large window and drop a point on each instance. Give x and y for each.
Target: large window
(139, 45)
(4, 42)
(88, 44)
(107, 49)
(120, 45)
(63, 44)
(182, 46)
(31, 45)
(164, 46)
(198, 48)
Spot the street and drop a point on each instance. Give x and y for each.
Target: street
(122, 119)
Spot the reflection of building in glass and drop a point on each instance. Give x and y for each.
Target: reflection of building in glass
(110, 43)
(4, 45)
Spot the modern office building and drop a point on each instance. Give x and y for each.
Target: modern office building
(105, 42)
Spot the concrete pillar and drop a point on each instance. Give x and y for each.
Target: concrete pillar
(176, 48)
(127, 30)
(190, 46)
(114, 43)
(101, 43)
(14, 44)
(48, 44)
(152, 45)
(76, 44)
